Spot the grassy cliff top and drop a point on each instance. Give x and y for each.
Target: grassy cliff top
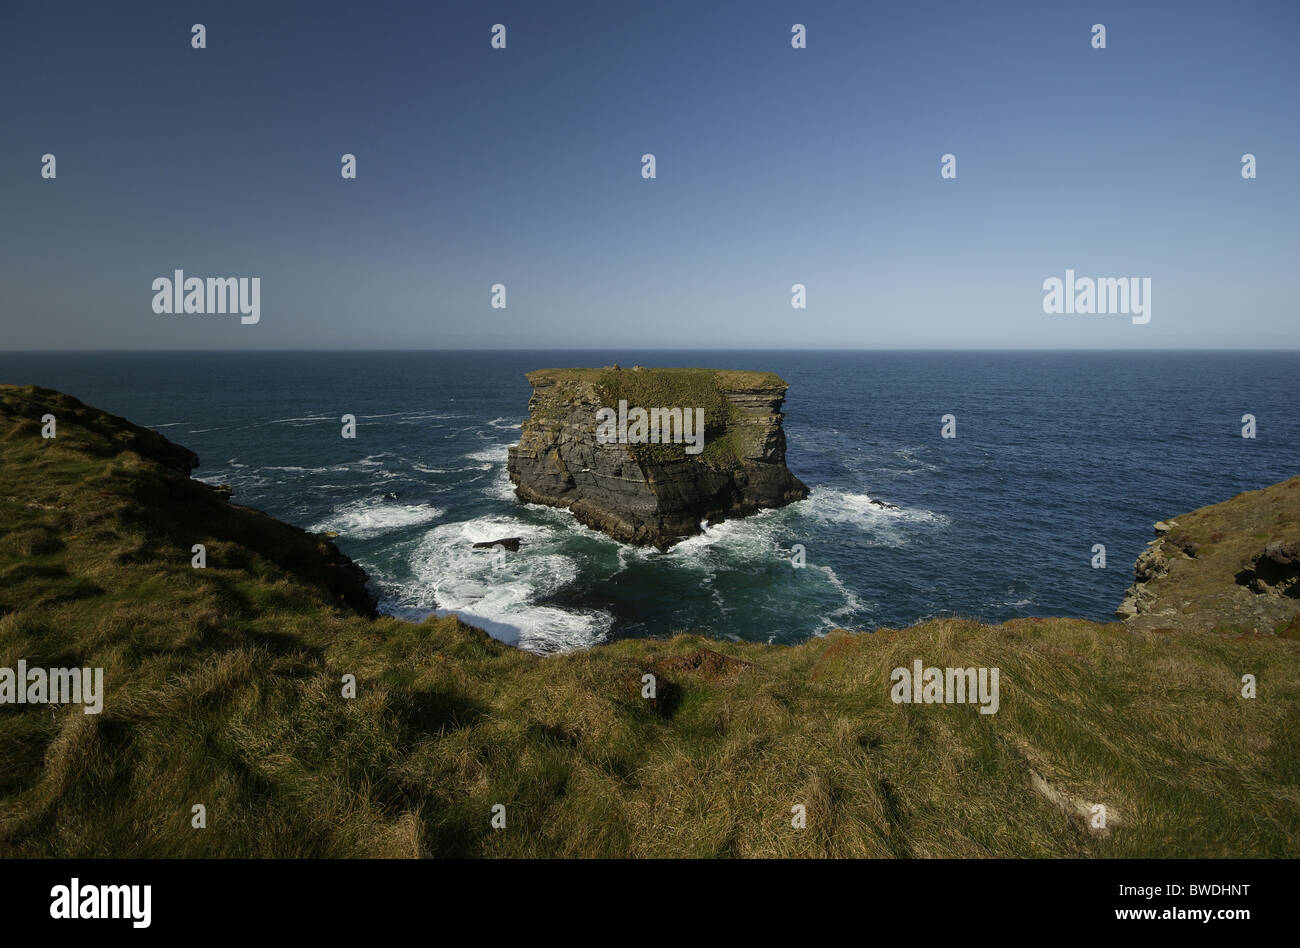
(224, 688)
(670, 385)
(1207, 557)
(687, 388)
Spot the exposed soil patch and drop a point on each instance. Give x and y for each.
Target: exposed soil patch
(705, 662)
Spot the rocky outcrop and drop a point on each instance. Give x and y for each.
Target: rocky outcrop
(654, 494)
(1232, 567)
(1275, 570)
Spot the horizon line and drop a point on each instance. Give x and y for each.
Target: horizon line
(819, 349)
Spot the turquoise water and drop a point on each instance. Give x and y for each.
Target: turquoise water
(1054, 453)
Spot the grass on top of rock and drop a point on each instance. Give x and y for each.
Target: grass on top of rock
(1202, 567)
(685, 388)
(671, 383)
(224, 687)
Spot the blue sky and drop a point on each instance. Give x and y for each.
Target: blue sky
(775, 166)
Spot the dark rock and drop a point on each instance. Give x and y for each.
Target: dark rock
(656, 494)
(1275, 570)
(509, 543)
(1282, 553)
(1151, 564)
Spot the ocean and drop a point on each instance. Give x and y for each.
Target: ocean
(1054, 453)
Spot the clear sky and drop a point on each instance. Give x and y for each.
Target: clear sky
(775, 166)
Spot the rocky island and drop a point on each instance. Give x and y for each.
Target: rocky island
(654, 491)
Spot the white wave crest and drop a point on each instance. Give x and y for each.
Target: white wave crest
(832, 505)
(370, 518)
(500, 592)
(495, 454)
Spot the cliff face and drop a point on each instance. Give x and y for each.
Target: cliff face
(654, 494)
(133, 466)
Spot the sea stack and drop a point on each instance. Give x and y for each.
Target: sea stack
(649, 455)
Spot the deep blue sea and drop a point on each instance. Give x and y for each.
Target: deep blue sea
(1055, 452)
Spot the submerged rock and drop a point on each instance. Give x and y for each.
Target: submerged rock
(654, 494)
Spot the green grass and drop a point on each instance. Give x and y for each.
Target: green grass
(223, 688)
(686, 388)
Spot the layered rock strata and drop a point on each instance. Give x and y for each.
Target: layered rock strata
(654, 494)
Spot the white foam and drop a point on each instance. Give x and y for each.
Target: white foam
(423, 418)
(281, 421)
(501, 487)
(500, 591)
(747, 537)
(496, 454)
(852, 604)
(909, 455)
(370, 518)
(425, 469)
(832, 505)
